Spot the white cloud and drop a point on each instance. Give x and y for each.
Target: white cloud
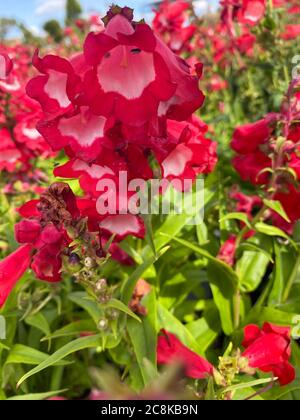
(49, 6)
(201, 6)
(36, 30)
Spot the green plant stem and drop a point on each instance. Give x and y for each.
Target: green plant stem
(246, 229)
(291, 280)
(237, 308)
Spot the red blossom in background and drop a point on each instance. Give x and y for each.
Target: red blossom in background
(228, 250)
(259, 163)
(252, 11)
(171, 22)
(6, 66)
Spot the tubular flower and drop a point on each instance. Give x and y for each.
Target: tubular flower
(269, 350)
(171, 350)
(12, 269)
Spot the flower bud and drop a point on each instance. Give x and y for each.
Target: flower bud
(101, 285)
(103, 324)
(113, 314)
(74, 259)
(89, 262)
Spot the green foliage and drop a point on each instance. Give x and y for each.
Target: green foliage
(73, 11)
(53, 28)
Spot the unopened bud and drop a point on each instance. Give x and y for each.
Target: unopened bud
(86, 275)
(101, 285)
(113, 314)
(104, 299)
(74, 259)
(103, 324)
(101, 253)
(89, 262)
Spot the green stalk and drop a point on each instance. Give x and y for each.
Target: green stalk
(291, 280)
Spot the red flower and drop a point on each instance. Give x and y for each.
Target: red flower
(135, 76)
(10, 155)
(290, 201)
(245, 43)
(83, 132)
(227, 251)
(171, 350)
(252, 11)
(246, 203)
(247, 138)
(56, 86)
(44, 229)
(171, 23)
(291, 32)
(6, 66)
(12, 269)
(129, 78)
(269, 350)
(250, 167)
(190, 153)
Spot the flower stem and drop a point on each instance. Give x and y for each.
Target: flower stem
(237, 308)
(291, 280)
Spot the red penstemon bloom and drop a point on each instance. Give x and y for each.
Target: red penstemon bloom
(252, 11)
(171, 350)
(255, 144)
(6, 65)
(12, 269)
(269, 350)
(228, 250)
(108, 121)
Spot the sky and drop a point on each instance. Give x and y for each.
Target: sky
(34, 13)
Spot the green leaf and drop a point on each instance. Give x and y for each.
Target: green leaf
(75, 328)
(226, 271)
(250, 384)
(116, 304)
(171, 324)
(39, 321)
(129, 285)
(273, 231)
(279, 392)
(275, 316)
(37, 397)
(277, 207)
(206, 329)
(210, 393)
(237, 216)
(223, 301)
(27, 355)
(249, 246)
(144, 339)
(83, 300)
(174, 225)
(251, 269)
(76, 345)
(284, 263)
